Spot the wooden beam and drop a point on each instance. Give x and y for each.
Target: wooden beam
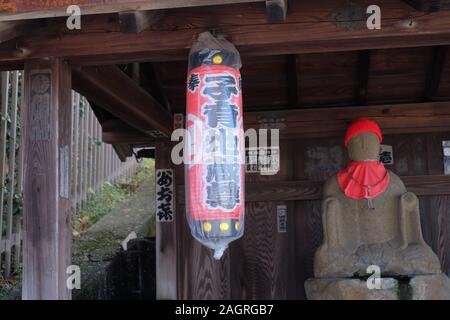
(156, 79)
(434, 74)
(301, 190)
(26, 9)
(319, 122)
(123, 150)
(137, 21)
(117, 131)
(429, 5)
(111, 89)
(46, 205)
(312, 190)
(329, 122)
(136, 72)
(276, 11)
(324, 122)
(362, 77)
(292, 80)
(310, 29)
(150, 75)
(13, 29)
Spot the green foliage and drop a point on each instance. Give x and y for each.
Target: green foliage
(110, 195)
(7, 286)
(16, 205)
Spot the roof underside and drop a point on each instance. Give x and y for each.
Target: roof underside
(329, 79)
(323, 55)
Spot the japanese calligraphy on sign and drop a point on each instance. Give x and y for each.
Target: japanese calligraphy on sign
(265, 160)
(386, 155)
(164, 195)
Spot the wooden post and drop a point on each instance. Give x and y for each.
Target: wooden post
(166, 237)
(47, 209)
(98, 153)
(85, 156)
(75, 158)
(3, 136)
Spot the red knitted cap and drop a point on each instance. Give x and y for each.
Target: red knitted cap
(359, 126)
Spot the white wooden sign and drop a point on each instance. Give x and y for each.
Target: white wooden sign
(265, 160)
(386, 155)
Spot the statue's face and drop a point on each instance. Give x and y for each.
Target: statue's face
(364, 147)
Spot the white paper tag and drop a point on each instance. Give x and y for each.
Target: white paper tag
(446, 152)
(386, 155)
(282, 218)
(265, 160)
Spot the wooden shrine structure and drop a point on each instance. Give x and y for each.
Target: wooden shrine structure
(309, 68)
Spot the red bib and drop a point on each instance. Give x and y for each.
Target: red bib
(363, 180)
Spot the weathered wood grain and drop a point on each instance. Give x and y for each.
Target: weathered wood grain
(429, 5)
(276, 10)
(265, 272)
(331, 122)
(137, 21)
(300, 190)
(439, 214)
(47, 214)
(112, 90)
(200, 275)
(167, 253)
(308, 28)
(25, 9)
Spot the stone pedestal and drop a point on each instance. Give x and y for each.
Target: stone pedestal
(430, 287)
(419, 287)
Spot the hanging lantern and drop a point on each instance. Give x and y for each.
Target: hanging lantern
(214, 170)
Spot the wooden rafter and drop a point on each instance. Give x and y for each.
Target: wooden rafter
(117, 131)
(429, 5)
(309, 30)
(301, 190)
(13, 29)
(152, 71)
(123, 150)
(25, 9)
(137, 21)
(322, 122)
(362, 77)
(329, 122)
(434, 74)
(292, 79)
(110, 126)
(276, 10)
(111, 89)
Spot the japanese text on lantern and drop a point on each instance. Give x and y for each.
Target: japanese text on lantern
(222, 149)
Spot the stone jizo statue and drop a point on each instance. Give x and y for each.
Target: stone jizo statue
(369, 218)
